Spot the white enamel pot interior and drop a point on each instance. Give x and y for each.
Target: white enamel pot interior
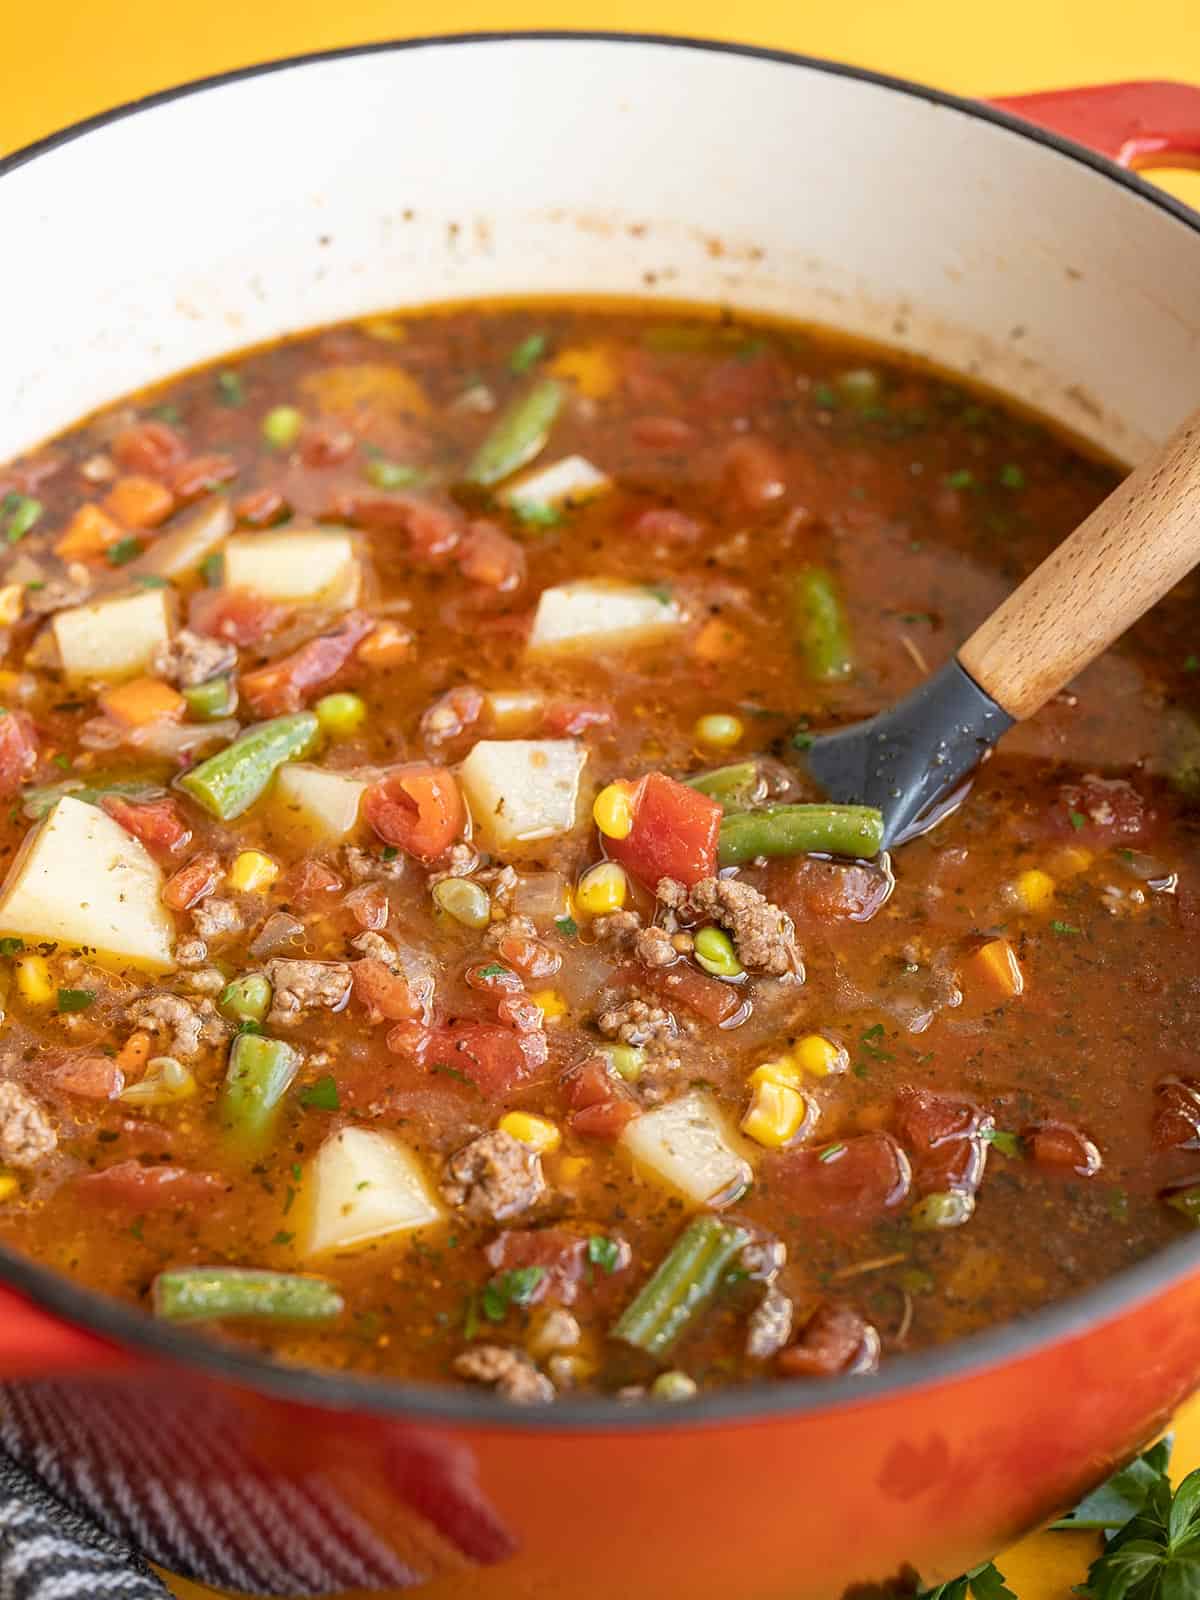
(276, 200)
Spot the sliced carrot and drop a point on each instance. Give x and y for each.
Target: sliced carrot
(996, 961)
(89, 534)
(386, 645)
(134, 1053)
(139, 502)
(718, 641)
(142, 701)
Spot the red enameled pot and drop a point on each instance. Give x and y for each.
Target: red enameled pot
(987, 237)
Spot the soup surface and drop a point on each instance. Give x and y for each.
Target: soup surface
(412, 959)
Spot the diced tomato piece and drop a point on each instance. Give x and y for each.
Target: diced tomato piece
(597, 1108)
(1058, 1147)
(944, 1136)
(323, 445)
(1176, 1121)
(493, 978)
(452, 714)
(201, 474)
(737, 386)
(664, 525)
(757, 471)
(149, 447)
(89, 1078)
(18, 751)
(674, 833)
(850, 1182)
(195, 879)
(283, 685)
(419, 809)
(834, 1339)
(662, 433)
(492, 1057)
(368, 905)
(813, 891)
(561, 1254)
(151, 1188)
(388, 994)
(156, 823)
(239, 615)
(1100, 812)
(519, 1011)
(433, 530)
(486, 555)
(534, 960)
(683, 985)
(569, 718)
(312, 880)
(260, 508)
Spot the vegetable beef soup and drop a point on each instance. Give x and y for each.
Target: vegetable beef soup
(421, 951)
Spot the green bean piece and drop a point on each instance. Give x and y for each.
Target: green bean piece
(203, 1294)
(259, 1074)
(36, 802)
(518, 434)
(822, 630)
(209, 702)
(795, 830)
(734, 788)
(231, 781)
(682, 1287)
(246, 999)
(1187, 1203)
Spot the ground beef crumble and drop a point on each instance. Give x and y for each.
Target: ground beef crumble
(762, 934)
(507, 1371)
(302, 986)
(26, 1135)
(184, 1026)
(192, 658)
(213, 918)
(495, 1176)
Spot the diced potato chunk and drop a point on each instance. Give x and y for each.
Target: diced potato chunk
(564, 483)
(688, 1146)
(307, 568)
(81, 880)
(515, 710)
(363, 1186)
(521, 791)
(594, 615)
(114, 638)
(318, 806)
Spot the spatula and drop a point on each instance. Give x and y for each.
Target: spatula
(913, 761)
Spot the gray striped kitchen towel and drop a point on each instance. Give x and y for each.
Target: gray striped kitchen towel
(49, 1552)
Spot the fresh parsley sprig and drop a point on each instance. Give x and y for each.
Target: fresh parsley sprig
(981, 1583)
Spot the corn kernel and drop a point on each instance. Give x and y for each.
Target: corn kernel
(590, 367)
(718, 730)
(12, 603)
(776, 1114)
(602, 889)
(998, 963)
(819, 1055)
(613, 811)
(551, 1004)
(1071, 860)
(33, 981)
(252, 872)
(9, 1185)
(1034, 889)
(783, 1071)
(571, 1168)
(539, 1133)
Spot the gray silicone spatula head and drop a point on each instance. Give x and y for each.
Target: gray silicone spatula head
(911, 760)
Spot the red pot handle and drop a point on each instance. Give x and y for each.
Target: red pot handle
(1134, 124)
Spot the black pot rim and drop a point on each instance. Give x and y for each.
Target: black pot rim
(749, 1404)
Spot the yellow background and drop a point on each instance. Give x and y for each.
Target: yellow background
(63, 61)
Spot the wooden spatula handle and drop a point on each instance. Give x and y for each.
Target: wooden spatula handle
(1129, 552)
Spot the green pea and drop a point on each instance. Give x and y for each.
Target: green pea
(714, 951)
(626, 1060)
(463, 900)
(340, 714)
(281, 426)
(673, 1386)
